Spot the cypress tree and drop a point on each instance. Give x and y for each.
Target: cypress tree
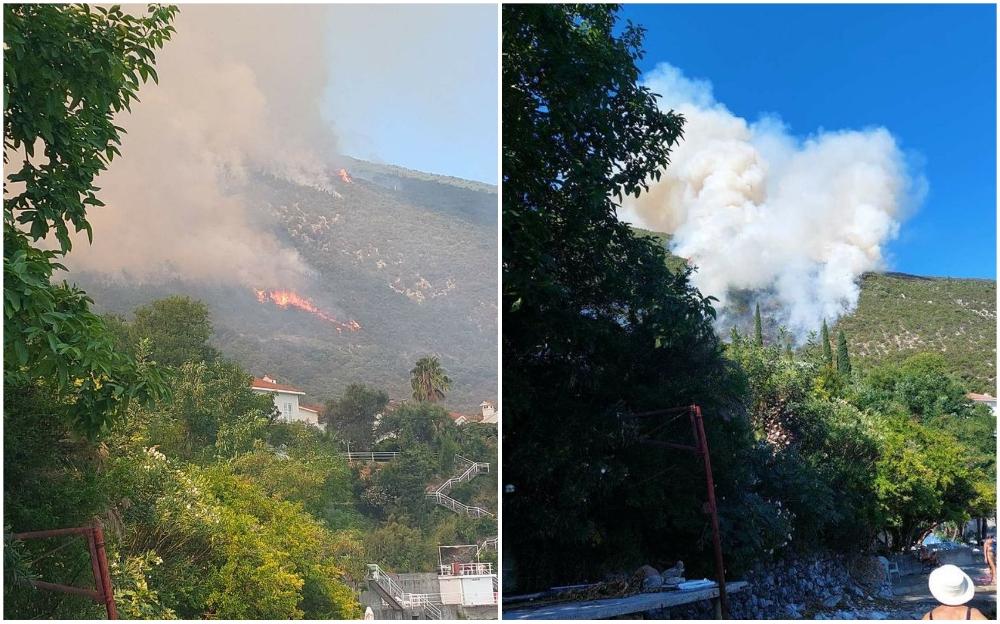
(827, 350)
(843, 359)
(758, 334)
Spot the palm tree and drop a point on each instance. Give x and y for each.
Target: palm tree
(429, 380)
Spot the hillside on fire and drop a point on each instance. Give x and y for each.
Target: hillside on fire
(243, 370)
(896, 316)
(401, 264)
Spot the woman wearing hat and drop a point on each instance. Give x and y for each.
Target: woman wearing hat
(952, 588)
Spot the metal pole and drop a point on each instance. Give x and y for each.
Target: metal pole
(102, 561)
(720, 570)
(95, 565)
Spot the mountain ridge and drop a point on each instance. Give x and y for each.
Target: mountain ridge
(410, 256)
(896, 316)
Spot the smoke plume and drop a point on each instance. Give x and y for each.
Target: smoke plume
(755, 208)
(239, 90)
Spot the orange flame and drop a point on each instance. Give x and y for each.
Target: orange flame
(346, 177)
(287, 298)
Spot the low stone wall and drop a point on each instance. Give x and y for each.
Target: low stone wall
(800, 588)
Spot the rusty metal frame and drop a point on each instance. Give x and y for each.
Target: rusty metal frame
(94, 536)
(699, 448)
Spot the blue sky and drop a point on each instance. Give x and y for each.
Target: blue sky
(416, 86)
(926, 73)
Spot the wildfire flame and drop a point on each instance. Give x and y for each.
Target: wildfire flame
(346, 177)
(287, 298)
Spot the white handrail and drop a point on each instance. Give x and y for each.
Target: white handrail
(466, 569)
(446, 501)
(475, 468)
(373, 456)
(406, 600)
(489, 542)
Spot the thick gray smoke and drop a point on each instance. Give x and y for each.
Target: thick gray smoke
(240, 90)
(755, 208)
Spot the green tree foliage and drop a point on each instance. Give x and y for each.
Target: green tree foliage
(211, 508)
(843, 357)
(824, 337)
(413, 424)
(922, 479)
(68, 70)
(921, 385)
(758, 333)
(178, 328)
(822, 453)
(226, 546)
(212, 413)
(594, 323)
(352, 416)
(429, 380)
(932, 424)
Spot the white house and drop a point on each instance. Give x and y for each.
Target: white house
(985, 399)
(286, 399)
(490, 414)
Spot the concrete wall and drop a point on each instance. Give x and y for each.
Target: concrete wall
(426, 583)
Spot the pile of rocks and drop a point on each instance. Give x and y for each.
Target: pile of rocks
(652, 580)
(825, 586)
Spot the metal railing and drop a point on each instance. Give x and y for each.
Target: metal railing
(372, 456)
(426, 603)
(466, 569)
(472, 469)
(489, 542)
(440, 496)
(382, 578)
(103, 592)
(446, 501)
(406, 600)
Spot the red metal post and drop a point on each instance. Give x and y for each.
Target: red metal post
(102, 563)
(720, 570)
(94, 535)
(95, 566)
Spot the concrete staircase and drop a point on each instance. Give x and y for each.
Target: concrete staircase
(382, 583)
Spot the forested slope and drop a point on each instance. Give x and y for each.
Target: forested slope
(899, 315)
(410, 256)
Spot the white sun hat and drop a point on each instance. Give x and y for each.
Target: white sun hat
(951, 586)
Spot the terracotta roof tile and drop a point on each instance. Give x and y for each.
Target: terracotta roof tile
(979, 397)
(269, 384)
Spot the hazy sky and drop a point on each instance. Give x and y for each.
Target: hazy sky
(927, 73)
(416, 86)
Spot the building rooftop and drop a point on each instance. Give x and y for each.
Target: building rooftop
(271, 385)
(972, 396)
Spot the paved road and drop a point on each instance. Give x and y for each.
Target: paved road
(911, 591)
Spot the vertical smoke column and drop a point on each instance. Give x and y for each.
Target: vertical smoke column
(755, 208)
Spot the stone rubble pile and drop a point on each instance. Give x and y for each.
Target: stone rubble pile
(824, 586)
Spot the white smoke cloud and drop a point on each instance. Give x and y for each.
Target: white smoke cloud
(240, 89)
(754, 207)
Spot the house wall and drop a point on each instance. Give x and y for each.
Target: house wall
(287, 404)
(310, 417)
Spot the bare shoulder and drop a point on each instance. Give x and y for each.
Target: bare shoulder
(978, 615)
